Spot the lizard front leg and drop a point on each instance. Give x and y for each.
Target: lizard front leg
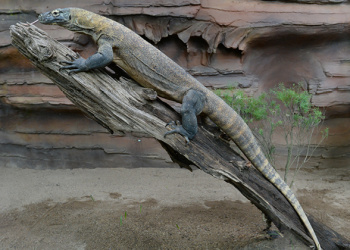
(192, 105)
(100, 59)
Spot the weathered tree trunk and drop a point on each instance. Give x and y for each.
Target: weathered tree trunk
(122, 105)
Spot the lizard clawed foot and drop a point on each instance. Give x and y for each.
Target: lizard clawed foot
(76, 65)
(177, 129)
(67, 62)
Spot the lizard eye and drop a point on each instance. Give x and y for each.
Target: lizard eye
(55, 13)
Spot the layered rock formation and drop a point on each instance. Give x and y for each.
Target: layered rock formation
(252, 45)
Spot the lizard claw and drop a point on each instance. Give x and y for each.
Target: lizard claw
(72, 57)
(169, 124)
(173, 124)
(176, 131)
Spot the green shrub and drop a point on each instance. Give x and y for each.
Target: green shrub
(284, 111)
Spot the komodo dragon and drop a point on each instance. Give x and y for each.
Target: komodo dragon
(153, 69)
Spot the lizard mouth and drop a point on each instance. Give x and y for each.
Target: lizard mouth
(43, 19)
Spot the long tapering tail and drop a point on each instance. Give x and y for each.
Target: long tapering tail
(234, 126)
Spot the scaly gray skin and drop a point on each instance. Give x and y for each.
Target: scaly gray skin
(152, 69)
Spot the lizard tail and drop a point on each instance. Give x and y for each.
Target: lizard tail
(234, 126)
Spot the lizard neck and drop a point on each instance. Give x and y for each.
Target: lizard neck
(89, 23)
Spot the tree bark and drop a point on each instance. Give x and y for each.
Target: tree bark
(122, 105)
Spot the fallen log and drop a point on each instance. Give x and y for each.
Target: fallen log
(123, 105)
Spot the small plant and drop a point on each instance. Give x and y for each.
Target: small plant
(286, 111)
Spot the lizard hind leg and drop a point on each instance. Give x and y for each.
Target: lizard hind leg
(192, 105)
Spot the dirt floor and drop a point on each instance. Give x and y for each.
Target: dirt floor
(168, 208)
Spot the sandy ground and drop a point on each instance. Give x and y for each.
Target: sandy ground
(168, 208)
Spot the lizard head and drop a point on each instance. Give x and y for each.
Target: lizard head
(73, 19)
(58, 16)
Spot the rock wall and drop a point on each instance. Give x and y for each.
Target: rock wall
(252, 45)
